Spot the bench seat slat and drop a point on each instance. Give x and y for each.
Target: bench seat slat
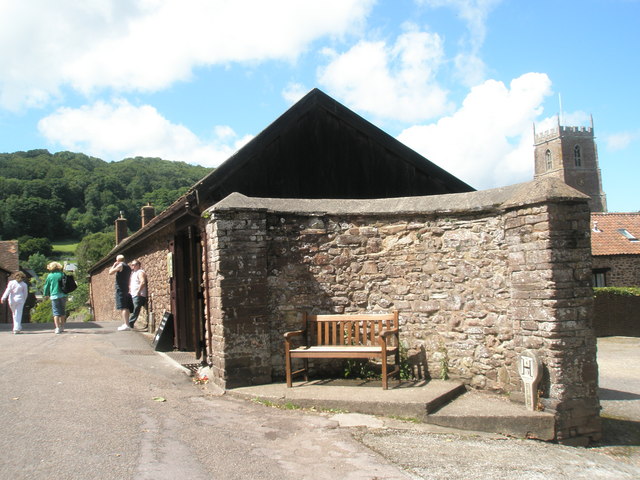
(340, 351)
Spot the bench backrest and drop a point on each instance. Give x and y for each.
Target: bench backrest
(358, 329)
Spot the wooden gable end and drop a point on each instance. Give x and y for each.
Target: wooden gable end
(321, 149)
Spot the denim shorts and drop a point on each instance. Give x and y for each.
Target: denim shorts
(58, 306)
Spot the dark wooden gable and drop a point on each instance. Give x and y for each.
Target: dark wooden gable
(316, 149)
(321, 149)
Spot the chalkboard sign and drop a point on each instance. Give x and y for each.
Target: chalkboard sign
(163, 341)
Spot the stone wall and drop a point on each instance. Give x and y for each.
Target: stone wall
(624, 270)
(153, 257)
(239, 340)
(552, 310)
(446, 276)
(477, 278)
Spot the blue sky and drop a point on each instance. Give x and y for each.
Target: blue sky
(460, 81)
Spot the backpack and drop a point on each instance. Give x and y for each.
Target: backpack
(67, 283)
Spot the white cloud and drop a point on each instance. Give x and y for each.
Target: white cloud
(117, 130)
(487, 142)
(394, 82)
(147, 45)
(621, 140)
(571, 119)
(294, 92)
(470, 68)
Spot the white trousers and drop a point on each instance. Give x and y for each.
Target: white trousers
(16, 309)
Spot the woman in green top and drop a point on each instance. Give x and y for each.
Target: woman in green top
(58, 297)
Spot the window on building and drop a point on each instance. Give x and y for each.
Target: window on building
(548, 159)
(577, 157)
(628, 235)
(600, 277)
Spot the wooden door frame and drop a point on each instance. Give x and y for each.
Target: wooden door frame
(187, 299)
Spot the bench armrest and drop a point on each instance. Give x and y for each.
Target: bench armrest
(294, 333)
(288, 336)
(385, 333)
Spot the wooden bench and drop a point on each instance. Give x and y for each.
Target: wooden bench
(345, 336)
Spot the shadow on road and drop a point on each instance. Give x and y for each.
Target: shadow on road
(48, 327)
(607, 394)
(620, 432)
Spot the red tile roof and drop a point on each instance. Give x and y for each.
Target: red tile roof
(606, 238)
(9, 255)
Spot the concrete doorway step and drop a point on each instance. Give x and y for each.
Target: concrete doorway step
(186, 360)
(437, 402)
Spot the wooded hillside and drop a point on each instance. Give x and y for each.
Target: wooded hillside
(70, 195)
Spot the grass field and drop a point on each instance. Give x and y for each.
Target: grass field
(65, 248)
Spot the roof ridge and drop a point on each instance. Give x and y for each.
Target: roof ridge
(610, 214)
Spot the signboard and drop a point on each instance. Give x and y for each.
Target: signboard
(163, 340)
(530, 370)
(170, 265)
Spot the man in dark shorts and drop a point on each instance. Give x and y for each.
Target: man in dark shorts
(122, 272)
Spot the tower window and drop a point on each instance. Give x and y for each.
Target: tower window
(577, 157)
(549, 160)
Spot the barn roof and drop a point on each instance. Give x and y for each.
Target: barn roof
(321, 149)
(317, 149)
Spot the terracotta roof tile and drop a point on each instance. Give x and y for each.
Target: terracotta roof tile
(606, 238)
(9, 255)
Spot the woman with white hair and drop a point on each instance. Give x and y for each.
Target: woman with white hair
(16, 292)
(58, 297)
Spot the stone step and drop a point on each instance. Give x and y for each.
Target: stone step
(495, 414)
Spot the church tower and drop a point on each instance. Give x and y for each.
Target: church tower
(570, 153)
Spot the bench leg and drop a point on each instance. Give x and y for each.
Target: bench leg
(385, 379)
(288, 371)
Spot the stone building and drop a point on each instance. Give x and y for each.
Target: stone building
(571, 154)
(615, 246)
(317, 149)
(326, 213)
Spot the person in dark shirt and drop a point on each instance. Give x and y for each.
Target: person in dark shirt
(124, 303)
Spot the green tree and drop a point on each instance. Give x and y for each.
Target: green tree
(92, 248)
(69, 194)
(82, 224)
(33, 216)
(37, 262)
(79, 299)
(162, 197)
(41, 313)
(29, 245)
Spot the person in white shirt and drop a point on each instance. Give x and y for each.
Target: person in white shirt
(137, 290)
(16, 292)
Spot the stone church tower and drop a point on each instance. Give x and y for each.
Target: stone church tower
(570, 153)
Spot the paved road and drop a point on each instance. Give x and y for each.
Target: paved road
(85, 405)
(619, 365)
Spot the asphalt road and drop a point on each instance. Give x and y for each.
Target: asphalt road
(94, 403)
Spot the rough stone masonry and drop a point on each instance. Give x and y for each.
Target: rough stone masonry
(477, 277)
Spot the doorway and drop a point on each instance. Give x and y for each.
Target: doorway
(187, 289)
